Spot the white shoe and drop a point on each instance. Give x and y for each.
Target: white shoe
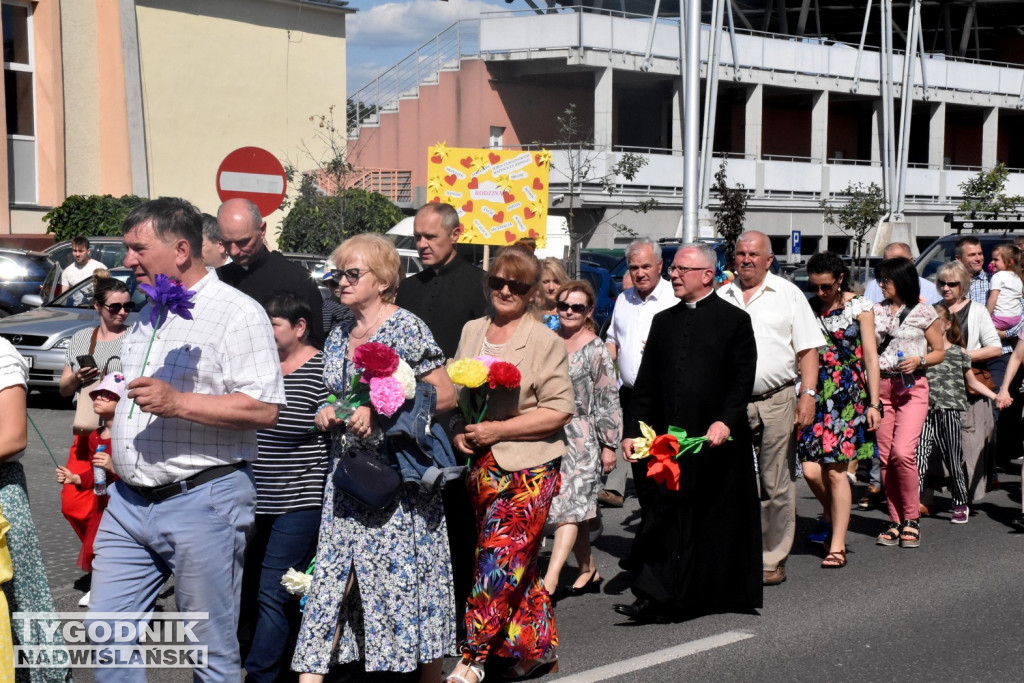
(84, 602)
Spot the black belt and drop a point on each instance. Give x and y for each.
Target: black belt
(155, 494)
(886, 374)
(771, 392)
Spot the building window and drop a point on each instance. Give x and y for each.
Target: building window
(497, 137)
(19, 92)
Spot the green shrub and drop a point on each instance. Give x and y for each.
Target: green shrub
(93, 216)
(316, 224)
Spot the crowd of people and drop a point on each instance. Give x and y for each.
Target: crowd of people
(408, 443)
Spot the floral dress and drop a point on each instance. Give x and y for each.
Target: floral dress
(840, 429)
(597, 424)
(401, 610)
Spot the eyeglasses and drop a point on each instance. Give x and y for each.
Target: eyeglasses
(116, 308)
(882, 282)
(351, 275)
(498, 283)
(685, 269)
(943, 283)
(563, 306)
(825, 289)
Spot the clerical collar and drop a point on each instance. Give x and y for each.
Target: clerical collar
(449, 266)
(256, 260)
(693, 304)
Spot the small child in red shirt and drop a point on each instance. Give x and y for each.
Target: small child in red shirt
(105, 397)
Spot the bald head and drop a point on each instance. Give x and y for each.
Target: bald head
(242, 230)
(897, 250)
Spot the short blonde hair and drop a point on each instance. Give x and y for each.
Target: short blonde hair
(379, 255)
(554, 267)
(954, 270)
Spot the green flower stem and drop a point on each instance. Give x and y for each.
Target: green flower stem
(33, 422)
(145, 360)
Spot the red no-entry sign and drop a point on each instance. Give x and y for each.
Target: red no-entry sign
(254, 174)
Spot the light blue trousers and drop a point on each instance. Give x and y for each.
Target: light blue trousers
(199, 537)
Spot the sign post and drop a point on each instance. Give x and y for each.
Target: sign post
(255, 174)
(795, 243)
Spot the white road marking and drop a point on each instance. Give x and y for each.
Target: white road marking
(626, 666)
(234, 181)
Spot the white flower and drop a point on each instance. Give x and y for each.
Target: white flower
(296, 583)
(406, 378)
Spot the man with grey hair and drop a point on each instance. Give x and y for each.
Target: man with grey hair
(698, 548)
(929, 294)
(627, 335)
(260, 272)
(214, 254)
(788, 338)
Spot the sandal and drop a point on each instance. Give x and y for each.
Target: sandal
(466, 667)
(910, 534)
(834, 560)
(530, 667)
(891, 535)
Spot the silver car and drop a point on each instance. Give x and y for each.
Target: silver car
(42, 335)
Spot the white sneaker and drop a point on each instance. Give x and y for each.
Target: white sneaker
(84, 602)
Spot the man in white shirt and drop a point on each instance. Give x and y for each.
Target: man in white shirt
(929, 294)
(82, 266)
(788, 338)
(627, 334)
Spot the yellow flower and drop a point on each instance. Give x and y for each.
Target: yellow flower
(439, 150)
(543, 157)
(468, 372)
(642, 445)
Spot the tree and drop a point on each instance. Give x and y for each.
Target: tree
(856, 217)
(92, 216)
(732, 211)
(984, 194)
(317, 223)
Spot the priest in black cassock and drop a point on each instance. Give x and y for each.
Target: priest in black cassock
(699, 548)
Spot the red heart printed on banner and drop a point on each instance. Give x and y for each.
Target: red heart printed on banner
(537, 184)
(499, 216)
(436, 158)
(468, 206)
(474, 183)
(536, 160)
(467, 162)
(510, 236)
(533, 234)
(435, 200)
(528, 212)
(450, 179)
(495, 158)
(508, 197)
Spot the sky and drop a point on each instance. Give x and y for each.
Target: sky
(380, 34)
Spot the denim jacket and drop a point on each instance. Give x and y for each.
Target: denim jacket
(421, 448)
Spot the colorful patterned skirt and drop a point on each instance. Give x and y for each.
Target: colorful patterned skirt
(509, 614)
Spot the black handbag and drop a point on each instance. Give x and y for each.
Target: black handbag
(366, 480)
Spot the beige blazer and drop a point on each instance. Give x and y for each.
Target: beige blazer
(540, 356)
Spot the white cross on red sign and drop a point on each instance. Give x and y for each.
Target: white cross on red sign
(254, 174)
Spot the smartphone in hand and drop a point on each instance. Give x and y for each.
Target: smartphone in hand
(87, 361)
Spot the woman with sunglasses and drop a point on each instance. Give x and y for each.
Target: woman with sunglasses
(593, 434)
(982, 343)
(113, 303)
(848, 410)
(909, 337)
(382, 584)
(515, 459)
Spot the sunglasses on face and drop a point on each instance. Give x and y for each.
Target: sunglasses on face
(351, 275)
(498, 283)
(824, 289)
(564, 306)
(116, 308)
(951, 285)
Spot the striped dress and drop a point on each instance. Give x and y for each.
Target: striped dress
(292, 465)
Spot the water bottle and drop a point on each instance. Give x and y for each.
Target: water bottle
(907, 377)
(342, 408)
(99, 476)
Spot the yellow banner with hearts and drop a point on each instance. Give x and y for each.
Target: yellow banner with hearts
(501, 195)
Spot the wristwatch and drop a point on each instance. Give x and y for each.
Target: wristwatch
(809, 392)
(878, 407)
(924, 363)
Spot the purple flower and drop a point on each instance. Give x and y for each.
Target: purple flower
(169, 296)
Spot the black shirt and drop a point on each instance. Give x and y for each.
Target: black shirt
(445, 299)
(270, 273)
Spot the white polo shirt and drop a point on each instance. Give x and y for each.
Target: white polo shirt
(631, 321)
(784, 325)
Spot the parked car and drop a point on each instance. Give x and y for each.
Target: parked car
(110, 251)
(21, 272)
(605, 291)
(42, 335)
(942, 250)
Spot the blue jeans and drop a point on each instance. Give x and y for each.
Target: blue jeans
(200, 537)
(281, 542)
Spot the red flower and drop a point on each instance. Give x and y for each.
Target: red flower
(664, 446)
(502, 374)
(847, 449)
(817, 429)
(376, 360)
(664, 471)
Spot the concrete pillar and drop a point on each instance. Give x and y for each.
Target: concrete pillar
(937, 135)
(603, 104)
(753, 124)
(819, 128)
(877, 143)
(990, 138)
(677, 115)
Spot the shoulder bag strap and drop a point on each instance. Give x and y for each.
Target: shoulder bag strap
(889, 337)
(92, 340)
